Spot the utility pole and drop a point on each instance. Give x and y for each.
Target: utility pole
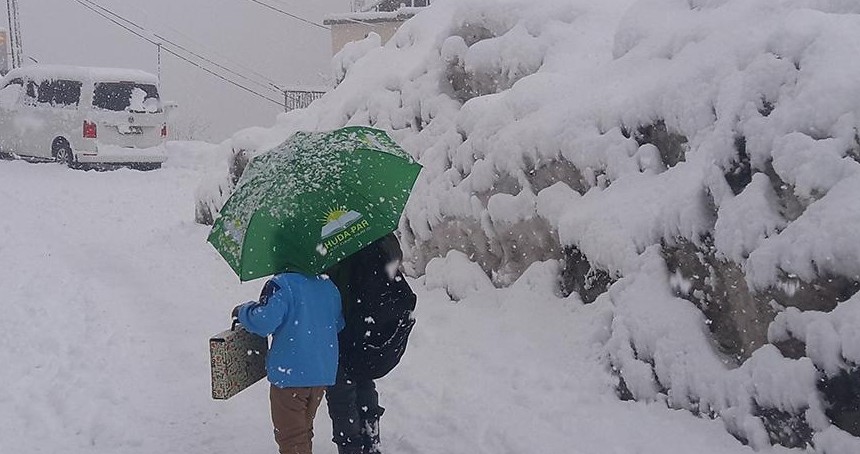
(159, 66)
(14, 33)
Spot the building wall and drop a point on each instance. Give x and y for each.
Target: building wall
(4, 52)
(343, 33)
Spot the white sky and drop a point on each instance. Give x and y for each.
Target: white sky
(283, 49)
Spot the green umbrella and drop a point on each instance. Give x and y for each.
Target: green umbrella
(313, 200)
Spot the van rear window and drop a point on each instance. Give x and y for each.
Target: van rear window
(130, 96)
(56, 92)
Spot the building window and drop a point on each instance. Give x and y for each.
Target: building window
(386, 5)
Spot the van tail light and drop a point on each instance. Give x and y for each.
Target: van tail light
(90, 131)
(164, 131)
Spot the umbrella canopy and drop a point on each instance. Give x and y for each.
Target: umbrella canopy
(314, 200)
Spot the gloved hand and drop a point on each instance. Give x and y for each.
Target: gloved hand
(235, 313)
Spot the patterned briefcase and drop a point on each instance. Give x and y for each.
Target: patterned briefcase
(238, 361)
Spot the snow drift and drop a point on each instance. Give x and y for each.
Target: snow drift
(692, 163)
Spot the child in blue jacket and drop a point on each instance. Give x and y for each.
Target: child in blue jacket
(303, 315)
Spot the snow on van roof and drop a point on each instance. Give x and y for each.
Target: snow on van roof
(402, 14)
(42, 72)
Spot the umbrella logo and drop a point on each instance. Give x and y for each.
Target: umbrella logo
(337, 220)
(374, 142)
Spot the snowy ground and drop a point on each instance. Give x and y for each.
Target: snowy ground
(110, 292)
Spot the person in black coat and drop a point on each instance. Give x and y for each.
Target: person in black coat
(377, 308)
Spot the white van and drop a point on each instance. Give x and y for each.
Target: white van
(83, 115)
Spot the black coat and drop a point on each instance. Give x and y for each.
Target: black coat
(377, 307)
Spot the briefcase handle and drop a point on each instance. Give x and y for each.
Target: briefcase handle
(235, 317)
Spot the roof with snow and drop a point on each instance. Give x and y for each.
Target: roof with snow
(400, 15)
(44, 72)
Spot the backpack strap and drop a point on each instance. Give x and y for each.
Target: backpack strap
(390, 248)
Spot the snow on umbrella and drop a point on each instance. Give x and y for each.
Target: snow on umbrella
(314, 200)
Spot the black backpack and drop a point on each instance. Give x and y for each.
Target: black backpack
(377, 310)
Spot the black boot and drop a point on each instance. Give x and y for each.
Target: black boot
(370, 431)
(370, 439)
(349, 450)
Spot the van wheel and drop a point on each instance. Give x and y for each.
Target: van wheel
(145, 166)
(63, 154)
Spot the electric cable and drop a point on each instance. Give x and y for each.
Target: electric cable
(271, 85)
(88, 4)
(266, 5)
(213, 51)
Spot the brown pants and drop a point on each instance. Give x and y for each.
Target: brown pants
(293, 411)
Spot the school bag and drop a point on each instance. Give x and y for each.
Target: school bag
(378, 305)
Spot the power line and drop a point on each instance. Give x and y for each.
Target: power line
(96, 8)
(271, 84)
(266, 5)
(211, 51)
(177, 55)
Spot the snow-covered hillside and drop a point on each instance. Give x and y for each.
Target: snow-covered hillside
(692, 163)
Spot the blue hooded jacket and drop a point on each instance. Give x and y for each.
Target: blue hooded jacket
(303, 315)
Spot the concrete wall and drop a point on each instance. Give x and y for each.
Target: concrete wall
(4, 52)
(343, 32)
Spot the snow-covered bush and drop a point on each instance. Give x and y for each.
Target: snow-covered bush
(352, 52)
(692, 164)
(457, 276)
